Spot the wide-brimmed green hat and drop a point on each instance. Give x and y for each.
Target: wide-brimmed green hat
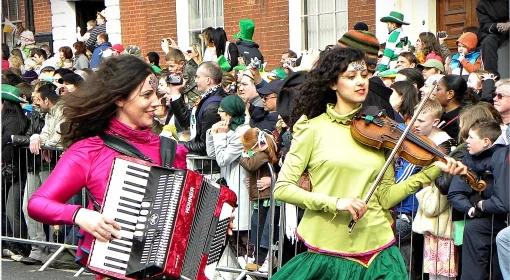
(11, 93)
(246, 29)
(395, 17)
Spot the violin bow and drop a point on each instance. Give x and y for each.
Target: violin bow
(394, 151)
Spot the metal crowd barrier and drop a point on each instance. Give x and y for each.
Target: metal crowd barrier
(29, 172)
(231, 265)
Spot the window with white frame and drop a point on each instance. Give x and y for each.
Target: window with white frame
(322, 22)
(10, 10)
(202, 14)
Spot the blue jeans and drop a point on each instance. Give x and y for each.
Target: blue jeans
(503, 243)
(260, 228)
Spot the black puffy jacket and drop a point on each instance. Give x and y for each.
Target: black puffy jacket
(248, 50)
(205, 118)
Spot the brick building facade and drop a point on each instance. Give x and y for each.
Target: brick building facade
(144, 23)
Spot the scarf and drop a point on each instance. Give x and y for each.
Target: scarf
(234, 106)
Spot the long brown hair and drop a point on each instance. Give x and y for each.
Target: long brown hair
(250, 139)
(88, 112)
(470, 114)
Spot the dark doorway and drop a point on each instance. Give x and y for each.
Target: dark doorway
(86, 10)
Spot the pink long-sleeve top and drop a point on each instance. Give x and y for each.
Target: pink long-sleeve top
(87, 163)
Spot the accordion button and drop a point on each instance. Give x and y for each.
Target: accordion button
(142, 219)
(146, 204)
(144, 212)
(140, 226)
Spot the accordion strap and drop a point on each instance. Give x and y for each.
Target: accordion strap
(122, 146)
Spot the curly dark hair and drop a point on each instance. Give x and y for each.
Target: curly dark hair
(89, 111)
(316, 90)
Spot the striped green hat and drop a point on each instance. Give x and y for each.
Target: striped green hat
(362, 40)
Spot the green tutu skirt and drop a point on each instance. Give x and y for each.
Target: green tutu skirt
(388, 265)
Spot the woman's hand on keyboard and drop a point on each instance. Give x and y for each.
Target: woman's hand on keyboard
(101, 227)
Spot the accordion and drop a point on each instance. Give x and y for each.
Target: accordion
(173, 223)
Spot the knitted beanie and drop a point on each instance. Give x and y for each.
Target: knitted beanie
(468, 39)
(362, 40)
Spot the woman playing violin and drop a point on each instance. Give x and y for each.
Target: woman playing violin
(341, 172)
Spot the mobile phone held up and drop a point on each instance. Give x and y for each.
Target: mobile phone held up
(174, 79)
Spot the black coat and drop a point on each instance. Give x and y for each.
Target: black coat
(491, 12)
(248, 50)
(205, 118)
(460, 194)
(379, 96)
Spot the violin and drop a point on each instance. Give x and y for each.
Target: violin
(379, 131)
(375, 130)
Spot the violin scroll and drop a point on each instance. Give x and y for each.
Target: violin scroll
(473, 182)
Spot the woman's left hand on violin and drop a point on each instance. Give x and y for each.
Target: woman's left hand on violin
(452, 166)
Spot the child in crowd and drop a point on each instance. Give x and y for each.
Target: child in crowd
(396, 41)
(433, 218)
(485, 211)
(468, 59)
(90, 25)
(259, 150)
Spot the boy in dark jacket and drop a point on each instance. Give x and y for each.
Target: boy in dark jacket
(486, 211)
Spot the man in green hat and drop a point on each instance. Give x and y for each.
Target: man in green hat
(396, 40)
(248, 49)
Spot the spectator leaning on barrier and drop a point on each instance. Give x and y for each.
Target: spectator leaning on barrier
(36, 174)
(223, 143)
(14, 122)
(50, 133)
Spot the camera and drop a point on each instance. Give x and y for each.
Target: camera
(404, 40)
(441, 34)
(232, 88)
(289, 62)
(174, 79)
(255, 63)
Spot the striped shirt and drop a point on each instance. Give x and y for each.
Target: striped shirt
(91, 42)
(394, 45)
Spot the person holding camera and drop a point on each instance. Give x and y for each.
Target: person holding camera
(182, 73)
(396, 40)
(201, 117)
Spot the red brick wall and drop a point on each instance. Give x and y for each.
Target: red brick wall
(271, 24)
(362, 10)
(144, 23)
(21, 12)
(42, 16)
